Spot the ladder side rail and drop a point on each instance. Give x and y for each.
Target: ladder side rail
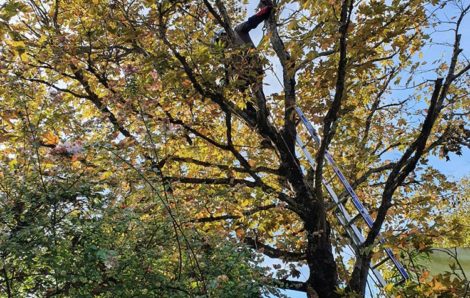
(355, 199)
(357, 203)
(365, 214)
(375, 274)
(380, 280)
(308, 125)
(396, 262)
(356, 236)
(343, 216)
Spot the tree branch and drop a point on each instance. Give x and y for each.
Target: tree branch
(212, 181)
(215, 97)
(406, 164)
(222, 167)
(97, 101)
(274, 252)
(252, 211)
(288, 73)
(292, 285)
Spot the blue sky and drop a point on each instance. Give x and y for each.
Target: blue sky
(458, 166)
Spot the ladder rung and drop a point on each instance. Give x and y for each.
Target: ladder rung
(355, 236)
(335, 205)
(400, 282)
(356, 217)
(381, 262)
(330, 179)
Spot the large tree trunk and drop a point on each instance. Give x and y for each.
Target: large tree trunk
(323, 277)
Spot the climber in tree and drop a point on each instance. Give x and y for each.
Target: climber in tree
(243, 30)
(244, 67)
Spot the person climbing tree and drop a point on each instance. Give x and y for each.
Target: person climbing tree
(243, 30)
(243, 67)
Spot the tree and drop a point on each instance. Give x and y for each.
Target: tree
(137, 84)
(75, 238)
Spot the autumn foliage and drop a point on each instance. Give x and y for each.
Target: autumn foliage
(133, 165)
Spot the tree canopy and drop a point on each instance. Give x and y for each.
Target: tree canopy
(133, 164)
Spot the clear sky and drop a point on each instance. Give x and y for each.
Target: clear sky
(458, 166)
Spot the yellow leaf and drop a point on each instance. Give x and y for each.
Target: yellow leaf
(24, 57)
(18, 44)
(50, 139)
(13, 163)
(438, 286)
(42, 39)
(76, 164)
(106, 175)
(145, 217)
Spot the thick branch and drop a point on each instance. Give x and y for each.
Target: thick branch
(213, 181)
(231, 216)
(288, 73)
(195, 132)
(407, 163)
(223, 19)
(292, 285)
(97, 101)
(204, 92)
(222, 167)
(332, 114)
(274, 252)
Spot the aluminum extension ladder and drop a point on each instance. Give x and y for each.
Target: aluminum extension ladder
(342, 214)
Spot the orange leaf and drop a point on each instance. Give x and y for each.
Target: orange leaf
(186, 83)
(240, 233)
(438, 286)
(50, 139)
(424, 276)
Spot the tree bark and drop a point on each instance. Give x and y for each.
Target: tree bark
(322, 281)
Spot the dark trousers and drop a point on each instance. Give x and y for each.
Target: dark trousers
(243, 29)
